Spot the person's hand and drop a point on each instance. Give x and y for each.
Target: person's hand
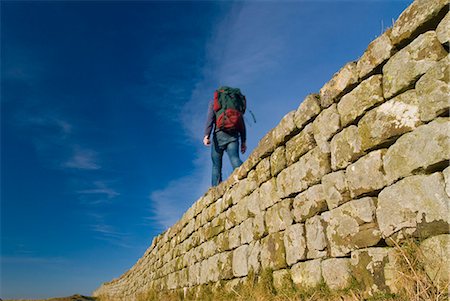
(206, 141)
(243, 147)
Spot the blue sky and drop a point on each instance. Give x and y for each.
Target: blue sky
(102, 113)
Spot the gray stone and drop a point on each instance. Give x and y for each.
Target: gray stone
(352, 226)
(426, 146)
(315, 237)
(279, 217)
(443, 30)
(240, 267)
(300, 144)
(259, 227)
(307, 274)
(307, 110)
(336, 273)
(366, 95)
(278, 161)
(377, 53)
(309, 203)
(415, 206)
(254, 257)
(273, 254)
(446, 174)
(326, 125)
(246, 229)
(253, 203)
(416, 15)
(339, 84)
(295, 243)
(393, 118)
(234, 237)
(407, 65)
(285, 129)
(263, 171)
(225, 265)
(346, 147)
(435, 251)
(336, 189)
(306, 172)
(366, 174)
(268, 194)
(433, 91)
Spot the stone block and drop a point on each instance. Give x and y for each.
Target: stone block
(414, 17)
(300, 144)
(295, 243)
(263, 171)
(194, 274)
(433, 91)
(390, 120)
(279, 217)
(336, 273)
(254, 256)
(335, 187)
(304, 173)
(366, 95)
(425, 147)
(307, 274)
(340, 83)
(443, 30)
(446, 174)
(316, 240)
(415, 206)
(307, 110)
(378, 51)
(278, 161)
(435, 251)
(346, 147)
(259, 226)
(309, 203)
(240, 267)
(366, 175)
(253, 203)
(352, 226)
(266, 146)
(406, 66)
(268, 195)
(246, 229)
(281, 280)
(273, 254)
(326, 125)
(285, 129)
(234, 237)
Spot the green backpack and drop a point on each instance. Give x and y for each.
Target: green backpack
(229, 107)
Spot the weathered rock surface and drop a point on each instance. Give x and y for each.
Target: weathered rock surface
(366, 95)
(346, 147)
(436, 263)
(415, 206)
(307, 274)
(285, 129)
(240, 267)
(339, 83)
(273, 253)
(279, 217)
(336, 272)
(443, 30)
(307, 110)
(446, 174)
(309, 203)
(281, 279)
(268, 195)
(433, 90)
(336, 189)
(315, 237)
(295, 243)
(300, 145)
(352, 226)
(278, 161)
(263, 171)
(427, 145)
(326, 125)
(407, 65)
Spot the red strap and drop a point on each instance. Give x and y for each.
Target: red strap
(216, 106)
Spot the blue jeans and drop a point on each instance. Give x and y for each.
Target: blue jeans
(217, 149)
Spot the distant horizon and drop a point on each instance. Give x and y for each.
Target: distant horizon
(103, 105)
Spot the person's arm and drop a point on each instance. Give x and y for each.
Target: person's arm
(210, 119)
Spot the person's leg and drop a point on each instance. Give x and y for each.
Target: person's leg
(216, 156)
(233, 154)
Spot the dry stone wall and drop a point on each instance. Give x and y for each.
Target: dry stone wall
(355, 169)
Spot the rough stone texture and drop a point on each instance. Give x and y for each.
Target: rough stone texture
(368, 268)
(346, 147)
(254, 257)
(315, 237)
(295, 243)
(225, 265)
(426, 146)
(263, 171)
(300, 144)
(240, 267)
(436, 263)
(273, 254)
(393, 118)
(336, 189)
(366, 174)
(433, 91)
(443, 30)
(446, 174)
(285, 129)
(307, 274)
(253, 203)
(307, 110)
(246, 231)
(339, 84)
(352, 226)
(268, 194)
(366, 95)
(407, 65)
(376, 53)
(326, 125)
(411, 19)
(278, 161)
(309, 203)
(415, 206)
(306, 172)
(281, 279)
(234, 237)
(279, 217)
(336, 273)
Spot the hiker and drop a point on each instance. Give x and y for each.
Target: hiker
(225, 115)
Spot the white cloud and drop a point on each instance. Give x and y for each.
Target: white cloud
(82, 159)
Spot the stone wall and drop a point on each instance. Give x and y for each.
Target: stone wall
(356, 168)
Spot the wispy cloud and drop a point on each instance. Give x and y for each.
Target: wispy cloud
(106, 232)
(82, 159)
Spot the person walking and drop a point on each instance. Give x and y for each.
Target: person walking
(225, 117)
